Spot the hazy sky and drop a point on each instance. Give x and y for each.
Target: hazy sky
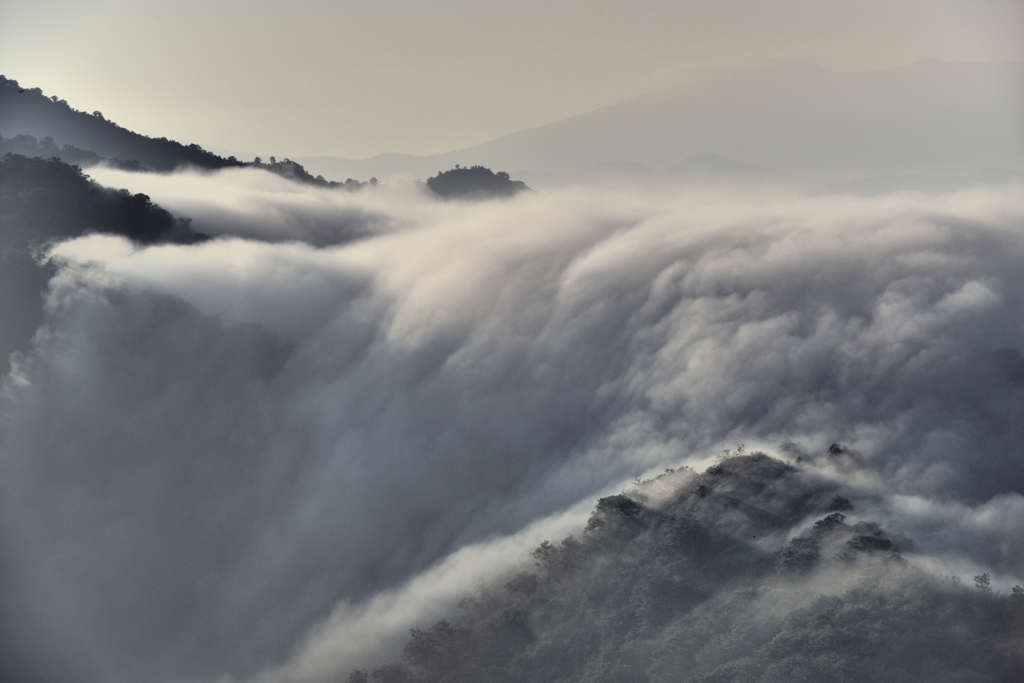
(361, 78)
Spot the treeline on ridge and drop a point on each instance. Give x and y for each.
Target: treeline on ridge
(669, 582)
(27, 111)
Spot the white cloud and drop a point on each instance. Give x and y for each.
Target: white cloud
(219, 446)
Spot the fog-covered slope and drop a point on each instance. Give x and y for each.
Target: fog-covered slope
(691, 577)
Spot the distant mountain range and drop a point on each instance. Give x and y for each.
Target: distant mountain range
(921, 126)
(794, 120)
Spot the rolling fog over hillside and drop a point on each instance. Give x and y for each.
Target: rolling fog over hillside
(216, 447)
(698, 357)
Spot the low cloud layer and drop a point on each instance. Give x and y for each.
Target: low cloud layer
(213, 448)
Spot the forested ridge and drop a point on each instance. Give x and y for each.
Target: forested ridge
(47, 148)
(27, 111)
(45, 199)
(670, 582)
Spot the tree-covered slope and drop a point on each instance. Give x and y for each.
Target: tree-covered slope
(47, 148)
(673, 581)
(46, 199)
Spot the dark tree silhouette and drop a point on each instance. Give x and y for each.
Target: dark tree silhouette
(476, 182)
(32, 113)
(89, 139)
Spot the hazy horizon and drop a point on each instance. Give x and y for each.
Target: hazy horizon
(358, 80)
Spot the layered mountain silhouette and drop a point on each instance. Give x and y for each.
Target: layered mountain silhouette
(34, 125)
(792, 121)
(26, 111)
(930, 118)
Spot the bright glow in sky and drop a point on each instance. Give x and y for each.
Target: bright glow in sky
(359, 78)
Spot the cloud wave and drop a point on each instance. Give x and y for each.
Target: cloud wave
(212, 447)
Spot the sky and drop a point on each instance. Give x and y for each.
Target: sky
(355, 79)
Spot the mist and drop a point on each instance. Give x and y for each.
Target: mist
(224, 459)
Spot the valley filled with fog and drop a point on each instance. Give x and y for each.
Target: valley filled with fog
(266, 456)
(573, 342)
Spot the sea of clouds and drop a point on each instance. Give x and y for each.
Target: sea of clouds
(266, 456)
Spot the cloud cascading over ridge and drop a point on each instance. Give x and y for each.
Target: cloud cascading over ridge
(212, 446)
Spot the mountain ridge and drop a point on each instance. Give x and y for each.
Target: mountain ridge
(26, 111)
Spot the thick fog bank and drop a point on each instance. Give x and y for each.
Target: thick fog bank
(212, 446)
